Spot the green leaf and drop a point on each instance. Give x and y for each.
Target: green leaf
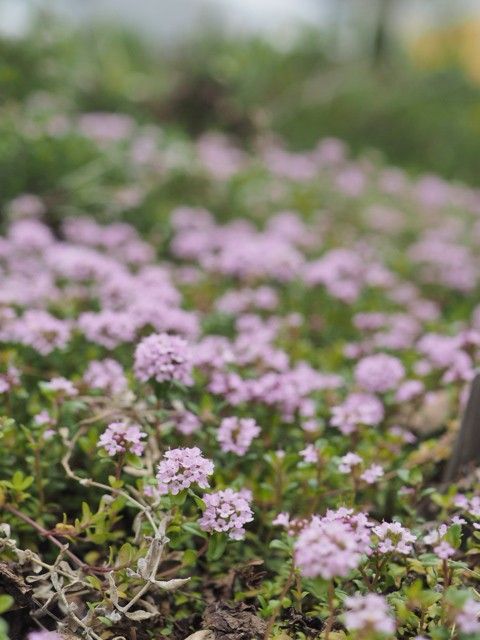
(189, 557)
(3, 630)
(125, 555)
(454, 535)
(198, 501)
(216, 546)
(179, 499)
(194, 529)
(6, 602)
(20, 482)
(279, 544)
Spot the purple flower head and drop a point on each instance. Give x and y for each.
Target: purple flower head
(409, 390)
(106, 375)
(26, 205)
(310, 453)
(186, 422)
(227, 511)
(120, 437)
(379, 373)
(372, 474)
(236, 434)
(333, 545)
(61, 386)
(358, 409)
(369, 614)
(435, 536)
(393, 537)
(107, 328)
(163, 358)
(10, 379)
(44, 635)
(468, 618)
(43, 418)
(30, 235)
(348, 461)
(41, 331)
(444, 550)
(181, 468)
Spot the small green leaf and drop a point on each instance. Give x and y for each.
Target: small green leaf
(216, 546)
(6, 602)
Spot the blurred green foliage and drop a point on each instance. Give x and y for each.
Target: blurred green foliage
(424, 121)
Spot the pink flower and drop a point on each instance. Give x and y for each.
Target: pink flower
(107, 328)
(471, 506)
(310, 453)
(236, 434)
(163, 358)
(436, 535)
(10, 379)
(358, 409)
(107, 375)
(104, 127)
(348, 461)
(392, 537)
(61, 386)
(468, 618)
(408, 390)
(43, 418)
(282, 520)
(379, 373)
(333, 545)
(227, 511)
(369, 614)
(181, 468)
(30, 235)
(44, 635)
(444, 550)
(26, 205)
(186, 422)
(120, 437)
(41, 331)
(372, 474)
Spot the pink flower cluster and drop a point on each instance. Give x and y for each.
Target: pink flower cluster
(228, 512)
(163, 358)
(379, 373)
(358, 409)
(107, 375)
(369, 614)
(392, 537)
(120, 437)
(236, 434)
(288, 391)
(236, 249)
(186, 422)
(470, 505)
(238, 301)
(107, 328)
(41, 331)
(61, 387)
(44, 635)
(332, 546)
(181, 468)
(373, 473)
(468, 618)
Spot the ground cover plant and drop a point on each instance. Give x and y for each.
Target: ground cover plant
(242, 418)
(230, 382)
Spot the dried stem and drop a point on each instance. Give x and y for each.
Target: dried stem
(331, 609)
(49, 535)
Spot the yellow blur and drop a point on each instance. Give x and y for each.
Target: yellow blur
(456, 45)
